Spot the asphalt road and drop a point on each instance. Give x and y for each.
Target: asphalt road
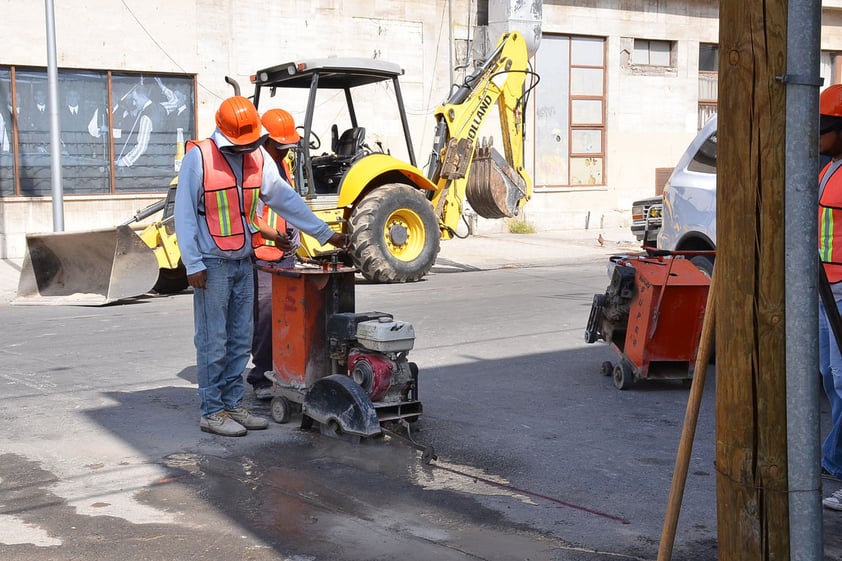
(539, 456)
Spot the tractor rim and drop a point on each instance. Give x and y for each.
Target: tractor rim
(404, 234)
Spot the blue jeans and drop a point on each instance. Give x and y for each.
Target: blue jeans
(222, 317)
(830, 366)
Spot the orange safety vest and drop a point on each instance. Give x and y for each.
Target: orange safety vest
(830, 225)
(225, 211)
(266, 249)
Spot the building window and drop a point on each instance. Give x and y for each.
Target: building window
(652, 53)
(830, 63)
(708, 81)
(570, 112)
(7, 139)
(117, 131)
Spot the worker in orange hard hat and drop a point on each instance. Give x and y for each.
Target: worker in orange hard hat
(274, 246)
(221, 181)
(830, 250)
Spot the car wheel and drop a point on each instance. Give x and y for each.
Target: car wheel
(704, 264)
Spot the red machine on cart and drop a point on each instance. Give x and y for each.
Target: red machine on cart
(347, 371)
(651, 314)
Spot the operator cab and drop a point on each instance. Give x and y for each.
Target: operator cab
(339, 94)
(329, 169)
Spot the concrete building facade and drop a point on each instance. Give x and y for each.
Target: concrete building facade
(624, 87)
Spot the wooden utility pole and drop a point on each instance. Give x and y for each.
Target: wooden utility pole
(751, 460)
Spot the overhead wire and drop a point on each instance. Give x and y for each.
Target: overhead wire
(163, 50)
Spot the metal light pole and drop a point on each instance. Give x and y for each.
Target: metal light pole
(55, 126)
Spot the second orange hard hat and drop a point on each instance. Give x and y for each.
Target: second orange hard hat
(281, 127)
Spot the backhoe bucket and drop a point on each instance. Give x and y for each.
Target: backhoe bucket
(494, 189)
(88, 268)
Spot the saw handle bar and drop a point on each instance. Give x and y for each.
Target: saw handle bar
(652, 253)
(683, 253)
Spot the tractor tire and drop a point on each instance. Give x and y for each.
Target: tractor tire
(395, 234)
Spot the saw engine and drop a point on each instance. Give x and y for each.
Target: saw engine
(372, 347)
(610, 311)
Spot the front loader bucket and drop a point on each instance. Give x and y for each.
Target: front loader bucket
(494, 189)
(89, 268)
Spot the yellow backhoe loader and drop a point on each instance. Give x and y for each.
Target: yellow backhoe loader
(395, 213)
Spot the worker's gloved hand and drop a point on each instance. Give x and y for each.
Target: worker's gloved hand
(198, 280)
(340, 241)
(283, 242)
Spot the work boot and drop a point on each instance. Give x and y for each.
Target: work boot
(222, 424)
(263, 392)
(834, 502)
(246, 419)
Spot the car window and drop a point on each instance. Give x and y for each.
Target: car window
(705, 159)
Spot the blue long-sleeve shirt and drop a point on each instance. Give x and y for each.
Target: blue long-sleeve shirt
(191, 229)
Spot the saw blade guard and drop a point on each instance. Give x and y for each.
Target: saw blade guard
(337, 399)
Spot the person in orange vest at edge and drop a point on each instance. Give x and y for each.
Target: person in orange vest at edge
(830, 251)
(221, 181)
(274, 246)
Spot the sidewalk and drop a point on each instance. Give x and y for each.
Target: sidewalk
(541, 249)
(478, 252)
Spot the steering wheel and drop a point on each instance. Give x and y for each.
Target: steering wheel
(315, 141)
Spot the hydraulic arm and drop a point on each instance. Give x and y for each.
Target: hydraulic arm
(461, 164)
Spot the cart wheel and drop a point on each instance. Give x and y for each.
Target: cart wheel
(607, 368)
(623, 376)
(281, 409)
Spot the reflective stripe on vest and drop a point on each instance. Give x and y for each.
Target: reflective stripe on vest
(225, 214)
(266, 249)
(830, 225)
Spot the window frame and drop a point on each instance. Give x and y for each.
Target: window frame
(574, 156)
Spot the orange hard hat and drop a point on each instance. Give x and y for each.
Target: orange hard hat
(238, 120)
(830, 101)
(281, 126)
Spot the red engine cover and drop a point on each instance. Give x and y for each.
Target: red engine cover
(372, 372)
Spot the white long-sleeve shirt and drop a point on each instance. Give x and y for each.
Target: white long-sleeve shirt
(143, 126)
(4, 136)
(194, 239)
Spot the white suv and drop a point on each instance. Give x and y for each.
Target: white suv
(689, 214)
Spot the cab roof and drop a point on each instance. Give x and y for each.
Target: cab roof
(334, 73)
